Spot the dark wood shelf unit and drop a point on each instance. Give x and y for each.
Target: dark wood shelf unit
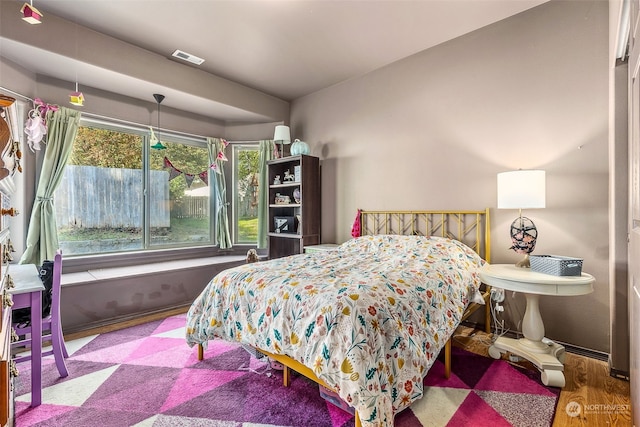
(306, 213)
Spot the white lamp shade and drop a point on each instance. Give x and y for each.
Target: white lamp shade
(522, 189)
(282, 135)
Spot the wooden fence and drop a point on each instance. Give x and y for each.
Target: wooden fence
(92, 197)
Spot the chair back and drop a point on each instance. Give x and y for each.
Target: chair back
(56, 285)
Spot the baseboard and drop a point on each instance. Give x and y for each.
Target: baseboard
(570, 348)
(619, 374)
(586, 352)
(121, 322)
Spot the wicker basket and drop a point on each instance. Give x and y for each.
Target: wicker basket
(556, 265)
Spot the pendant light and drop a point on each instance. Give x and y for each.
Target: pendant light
(158, 144)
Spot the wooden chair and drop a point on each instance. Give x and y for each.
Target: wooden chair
(51, 326)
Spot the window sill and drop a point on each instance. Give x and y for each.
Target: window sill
(100, 274)
(80, 264)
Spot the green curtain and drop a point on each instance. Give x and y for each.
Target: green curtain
(42, 236)
(266, 153)
(216, 145)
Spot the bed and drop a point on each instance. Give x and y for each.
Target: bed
(366, 320)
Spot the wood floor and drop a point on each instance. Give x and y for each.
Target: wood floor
(601, 399)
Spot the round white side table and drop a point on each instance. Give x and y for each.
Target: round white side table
(545, 354)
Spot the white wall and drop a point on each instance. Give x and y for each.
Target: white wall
(433, 130)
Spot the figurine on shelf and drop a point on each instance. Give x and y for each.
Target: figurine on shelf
(288, 176)
(282, 199)
(276, 180)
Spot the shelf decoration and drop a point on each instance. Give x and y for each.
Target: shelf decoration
(299, 147)
(281, 199)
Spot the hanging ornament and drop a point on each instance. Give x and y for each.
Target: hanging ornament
(189, 179)
(204, 176)
(174, 173)
(166, 163)
(76, 98)
(35, 129)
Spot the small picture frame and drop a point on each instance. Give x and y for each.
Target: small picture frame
(284, 224)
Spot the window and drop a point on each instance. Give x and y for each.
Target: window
(179, 203)
(245, 196)
(102, 206)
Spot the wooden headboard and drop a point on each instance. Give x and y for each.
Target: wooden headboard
(470, 227)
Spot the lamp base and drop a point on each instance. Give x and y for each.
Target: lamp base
(523, 237)
(524, 262)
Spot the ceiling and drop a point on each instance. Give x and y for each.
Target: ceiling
(284, 48)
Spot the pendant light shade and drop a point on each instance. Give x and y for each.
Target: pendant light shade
(157, 144)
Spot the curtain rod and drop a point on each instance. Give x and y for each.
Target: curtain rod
(111, 119)
(4, 89)
(190, 135)
(99, 117)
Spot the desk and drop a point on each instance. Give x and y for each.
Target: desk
(27, 292)
(547, 355)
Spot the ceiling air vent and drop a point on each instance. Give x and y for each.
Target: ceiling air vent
(187, 57)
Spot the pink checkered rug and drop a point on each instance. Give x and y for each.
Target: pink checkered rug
(147, 376)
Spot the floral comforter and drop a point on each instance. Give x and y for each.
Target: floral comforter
(368, 318)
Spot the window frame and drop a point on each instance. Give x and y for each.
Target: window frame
(148, 253)
(234, 197)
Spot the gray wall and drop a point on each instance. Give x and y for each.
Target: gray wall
(433, 130)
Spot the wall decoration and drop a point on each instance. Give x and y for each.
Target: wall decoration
(174, 172)
(220, 157)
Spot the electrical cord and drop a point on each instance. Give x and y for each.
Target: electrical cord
(496, 309)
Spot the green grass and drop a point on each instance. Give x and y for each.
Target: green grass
(80, 234)
(248, 230)
(180, 231)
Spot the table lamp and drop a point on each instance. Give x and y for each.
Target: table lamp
(522, 189)
(282, 136)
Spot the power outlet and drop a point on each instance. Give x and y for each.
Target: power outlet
(497, 294)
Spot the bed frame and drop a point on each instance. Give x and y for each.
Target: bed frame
(470, 227)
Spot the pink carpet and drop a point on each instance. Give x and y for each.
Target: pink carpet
(147, 376)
